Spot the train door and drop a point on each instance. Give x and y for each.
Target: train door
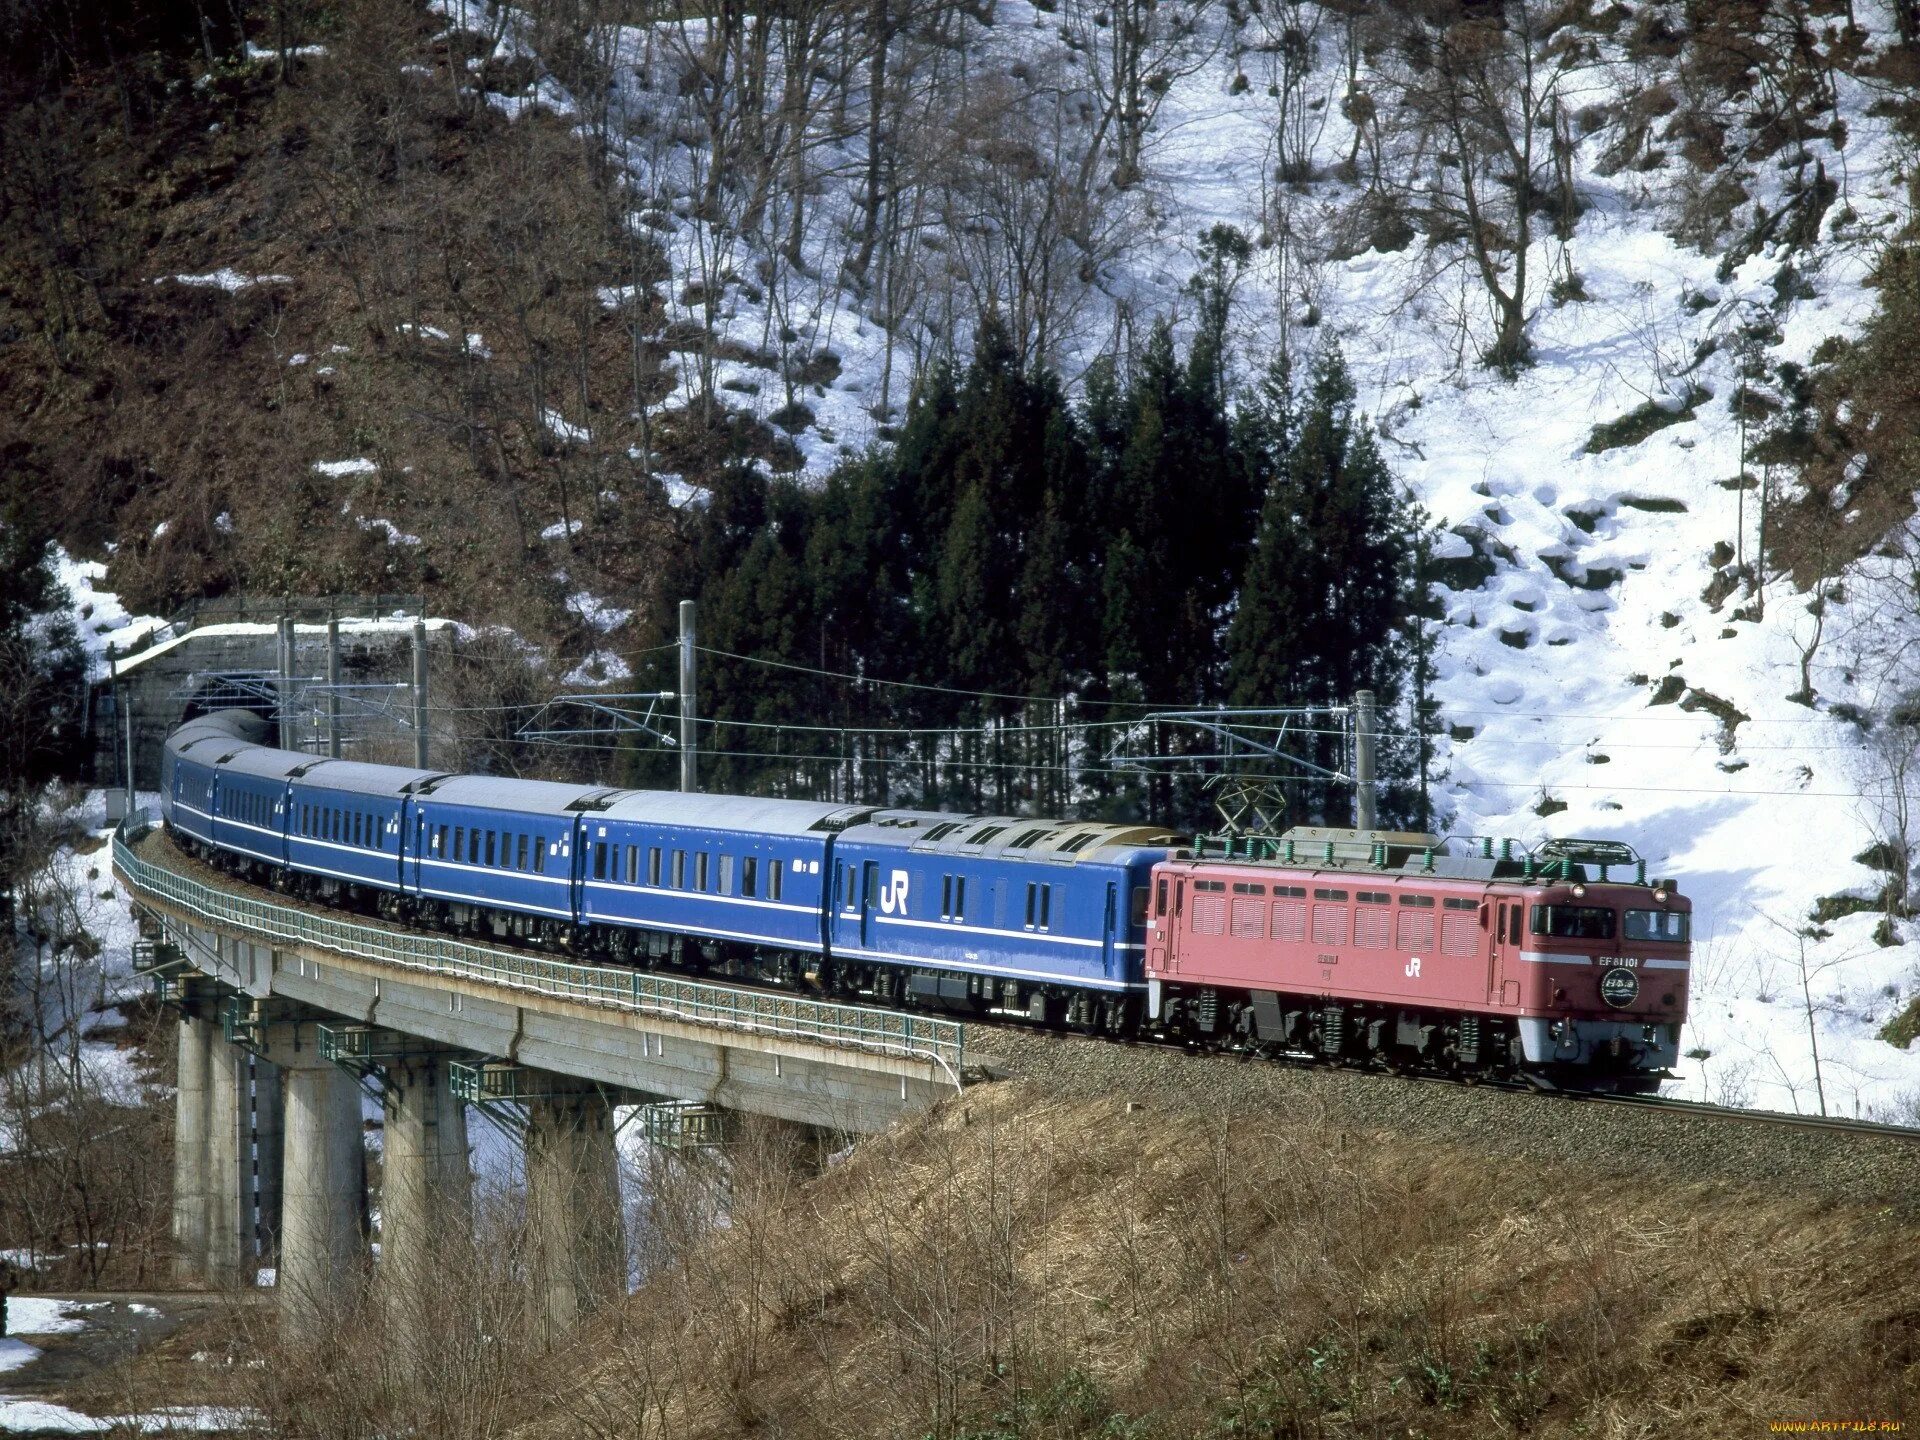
(1503, 952)
(869, 898)
(1109, 942)
(1168, 901)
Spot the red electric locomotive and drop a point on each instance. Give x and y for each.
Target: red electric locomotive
(1563, 964)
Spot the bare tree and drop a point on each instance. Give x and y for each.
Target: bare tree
(1479, 99)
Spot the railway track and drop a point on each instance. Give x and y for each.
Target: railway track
(1671, 1105)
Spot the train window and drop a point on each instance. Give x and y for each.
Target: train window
(1030, 897)
(946, 897)
(1374, 897)
(459, 840)
(1137, 917)
(539, 855)
(440, 841)
(653, 865)
(353, 832)
(473, 847)
(1241, 887)
(679, 869)
(1329, 894)
(774, 867)
(700, 870)
(1573, 922)
(1046, 907)
(1457, 903)
(1513, 926)
(1664, 925)
(981, 837)
(1159, 896)
(960, 897)
(1417, 902)
(600, 860)
(749, 876)
(1026, 839)
(520, 852)
(633, 864)
(493, 842)
(726, 875)
(1290, 892)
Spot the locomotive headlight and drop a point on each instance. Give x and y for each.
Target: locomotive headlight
(1660, 896)
(1579, 892)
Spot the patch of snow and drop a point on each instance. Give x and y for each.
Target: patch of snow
(393, 532)
(560, 529)
(226, 278)
(431, 332)
(597, 613)
(599, 668)
(162, 528)
(303, 52)
(559, 425)
(300, 359)
(15, 1353)
(39, 1315)
(335, 469)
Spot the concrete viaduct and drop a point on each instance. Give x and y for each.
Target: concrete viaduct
(285, 1010)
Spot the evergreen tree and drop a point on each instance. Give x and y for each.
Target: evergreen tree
(1328, 590)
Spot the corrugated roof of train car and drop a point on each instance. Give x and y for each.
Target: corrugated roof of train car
(493, 792)
(734, 812)
(1058, 840)
(387, 781)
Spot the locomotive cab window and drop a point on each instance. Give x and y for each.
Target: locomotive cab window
(1159, 896)
(1669, 926)
(1573, 922)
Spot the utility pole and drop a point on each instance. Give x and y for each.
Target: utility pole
(689, 755)
(333, 685)
(1365, 814)
(286, 681)
(420, 693)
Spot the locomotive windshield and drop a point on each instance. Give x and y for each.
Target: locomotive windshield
(1667, 925)
(1573, 922)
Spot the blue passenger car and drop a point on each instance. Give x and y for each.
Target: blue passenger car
(479, 841)
(249, 803)
(346, 819)
(189, 768)
(1029, 902)
(722, 867)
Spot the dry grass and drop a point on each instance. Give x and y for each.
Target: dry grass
(1023, 1265)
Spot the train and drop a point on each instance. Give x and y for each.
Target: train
(1565, 965)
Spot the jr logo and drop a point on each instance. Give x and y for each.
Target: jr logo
(1413, 968)
(893, 899)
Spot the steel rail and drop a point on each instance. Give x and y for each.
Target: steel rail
(723, 1007)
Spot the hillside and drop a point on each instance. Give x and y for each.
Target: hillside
(1033, 1261)
(481, 301)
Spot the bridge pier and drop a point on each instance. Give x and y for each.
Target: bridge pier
(426, 1186)
(269, 1151)
(573, 1207)
(322, 1182)
(229, 1168)
(190, 1158)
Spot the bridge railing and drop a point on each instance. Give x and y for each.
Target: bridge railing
(884, 1032)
